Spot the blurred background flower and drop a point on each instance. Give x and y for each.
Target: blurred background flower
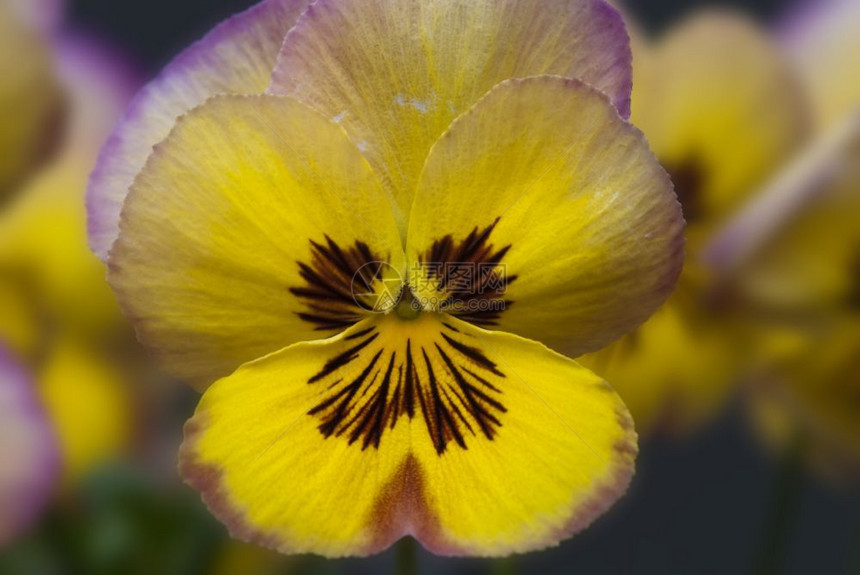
(30, 98)
(793, 256)
(721, 109)
(62, 320)
(752, 108)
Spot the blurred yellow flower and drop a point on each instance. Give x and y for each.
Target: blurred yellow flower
(721, 110)
(30, 98)
(794, 257)
(59, 317)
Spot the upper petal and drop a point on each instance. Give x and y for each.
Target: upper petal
(246, 231)
(27, 448)
(237, 57)
(397, 72)
(565, 216)
(472, 442)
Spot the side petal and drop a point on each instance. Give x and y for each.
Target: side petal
(396, 73)
(564, 216)
(28, 450)
(824, 170)
(237, 57)
(247, 231)
(470, 441)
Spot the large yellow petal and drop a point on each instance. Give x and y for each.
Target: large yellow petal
(471, 441)
(561, 204)
(236, 57)
(721, 111)
(244, 233)
(397, 72)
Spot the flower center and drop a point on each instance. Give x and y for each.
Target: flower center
(407, 359)
(408, 307)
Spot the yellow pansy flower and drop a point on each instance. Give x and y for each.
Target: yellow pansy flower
(721, 111)
(371, 259)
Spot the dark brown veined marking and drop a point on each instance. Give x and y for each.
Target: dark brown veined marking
(333, 277)
(488, 283)
(450, 384)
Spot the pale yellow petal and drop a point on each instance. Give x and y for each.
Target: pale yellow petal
(395, 73)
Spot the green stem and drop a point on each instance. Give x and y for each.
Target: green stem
(505, 566)
(783, 509)
(406, 557)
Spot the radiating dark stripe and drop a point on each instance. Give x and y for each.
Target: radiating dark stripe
(333, 278)
(489, 282)
(458, 391)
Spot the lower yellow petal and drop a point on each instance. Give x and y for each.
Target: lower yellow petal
(805, 385)
(473, 442)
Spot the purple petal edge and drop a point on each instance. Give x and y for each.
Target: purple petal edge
(103, 204)
(793, 28)
(613, 23)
